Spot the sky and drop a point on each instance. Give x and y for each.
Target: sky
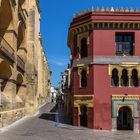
(56, 16)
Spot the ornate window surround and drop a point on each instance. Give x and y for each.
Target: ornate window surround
(128, 66)
(79, 38)
(80, 69)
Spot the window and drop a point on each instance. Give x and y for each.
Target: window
(115, 78)
(124, 43)
(134, 78)
(83, 51)
(124, 78)
(83, 79)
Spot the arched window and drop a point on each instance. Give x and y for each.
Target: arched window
(115, 78)
(134, 78)
(124, 78)
(83, 78)
(83, 50)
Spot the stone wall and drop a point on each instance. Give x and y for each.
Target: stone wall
(8, 117)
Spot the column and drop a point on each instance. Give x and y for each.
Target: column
(129, 80)
(120, 81)
(10, 91)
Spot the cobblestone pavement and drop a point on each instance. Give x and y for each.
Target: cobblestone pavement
(44, 127)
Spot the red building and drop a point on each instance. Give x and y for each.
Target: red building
(105, 73)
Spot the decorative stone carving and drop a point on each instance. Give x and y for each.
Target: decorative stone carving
(80, 36)
(82, 67)
(119, 101)
(128, 66)
(86, 100)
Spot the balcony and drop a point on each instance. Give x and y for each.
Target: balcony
(6, 49)
(124, 48)
(20, 63)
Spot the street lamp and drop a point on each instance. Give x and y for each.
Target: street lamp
(1, 81)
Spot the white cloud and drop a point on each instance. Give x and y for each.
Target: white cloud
(59, 61)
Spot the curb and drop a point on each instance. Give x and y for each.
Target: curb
(6, 128)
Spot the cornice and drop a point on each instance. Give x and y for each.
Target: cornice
(127, 97)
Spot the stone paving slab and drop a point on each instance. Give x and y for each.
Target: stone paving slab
(35, 128)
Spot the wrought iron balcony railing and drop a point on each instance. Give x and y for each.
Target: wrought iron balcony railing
(124, 48)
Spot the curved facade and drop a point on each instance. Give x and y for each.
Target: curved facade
(24, 71)
(105, 69)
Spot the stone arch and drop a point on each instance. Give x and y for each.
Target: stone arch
(5, 17)
(5, 70)
(131, 25)
(121, 25)
(95, 25)
(83, 47)
(83, 78)
(111, 25)
(86, 27)
(6, 82)
(116, 25)
(73, 32)
(100, 25)
(78, 30)
(124, 78)
(81, 29)
(125, 25)
(115, 77)
(134, 78)
(125, 118)
(90, 26)
(105, 25)
(136, 25)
